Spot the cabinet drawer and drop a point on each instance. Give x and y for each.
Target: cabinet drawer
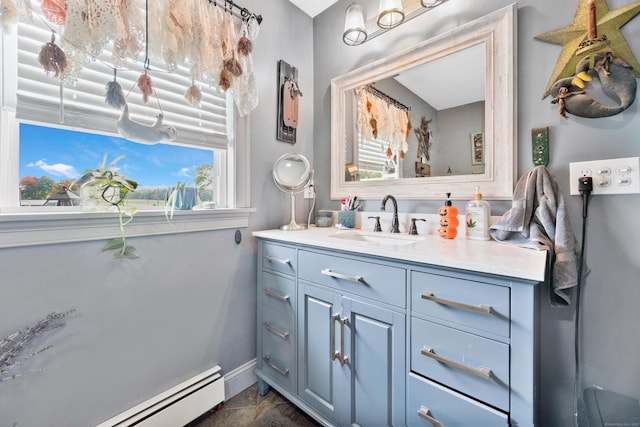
(367, 279)
(279, 258)
(278, 345)
(471, 364)
(478, 305)
(278, 291)
(427, 399)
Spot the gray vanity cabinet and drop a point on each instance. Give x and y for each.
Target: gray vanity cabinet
(360, 339)
(351, 348)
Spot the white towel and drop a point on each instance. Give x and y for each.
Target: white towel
(539, 219)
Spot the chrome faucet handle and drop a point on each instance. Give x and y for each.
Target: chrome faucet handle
(377, 227)
(413, 230)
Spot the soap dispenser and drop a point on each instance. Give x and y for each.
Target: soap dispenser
(448, 228)
(477, 214)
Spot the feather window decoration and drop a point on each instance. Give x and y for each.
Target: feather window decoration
(52, 58)
(193, 95)
(114, 96)
(8, 14)
(230, 62)
(55, 11)
(245, 46)
(145, 85)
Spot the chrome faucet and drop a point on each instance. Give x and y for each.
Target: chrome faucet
(395, 224)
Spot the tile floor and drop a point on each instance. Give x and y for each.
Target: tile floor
(248, 408)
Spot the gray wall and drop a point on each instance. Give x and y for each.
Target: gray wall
(142, 326)
(610, 341)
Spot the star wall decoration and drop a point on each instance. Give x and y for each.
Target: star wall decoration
(609, 23)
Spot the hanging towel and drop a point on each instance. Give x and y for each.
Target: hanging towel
(539, 219)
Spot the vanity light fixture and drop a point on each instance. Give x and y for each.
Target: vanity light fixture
(391, 13)
(355, 32)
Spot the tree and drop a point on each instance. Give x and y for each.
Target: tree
(38, 190)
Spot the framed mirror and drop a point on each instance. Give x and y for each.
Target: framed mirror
(435, 118)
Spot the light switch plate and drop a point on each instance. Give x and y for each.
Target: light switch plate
(610, 176)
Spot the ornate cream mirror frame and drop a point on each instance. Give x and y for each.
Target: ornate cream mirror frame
(497, 31)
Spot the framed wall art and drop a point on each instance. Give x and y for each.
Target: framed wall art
(288, 97)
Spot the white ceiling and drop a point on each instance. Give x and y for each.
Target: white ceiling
(313, 7)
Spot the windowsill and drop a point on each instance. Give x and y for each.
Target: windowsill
(46, 227)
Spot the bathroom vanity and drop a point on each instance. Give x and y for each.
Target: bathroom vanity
(363, 328)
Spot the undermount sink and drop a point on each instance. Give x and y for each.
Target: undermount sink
(378, 238)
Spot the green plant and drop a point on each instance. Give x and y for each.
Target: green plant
(113, 188)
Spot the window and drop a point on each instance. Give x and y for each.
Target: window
(50, 133)
(52, 160)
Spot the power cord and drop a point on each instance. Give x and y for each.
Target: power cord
(313, 204)
(585, 186)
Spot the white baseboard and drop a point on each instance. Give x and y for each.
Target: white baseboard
(240, 379)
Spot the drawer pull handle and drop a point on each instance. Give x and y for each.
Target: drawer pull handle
(328, 272)
(277, 260)
(334, 353)
(272, 294)
(268, 327)
(483, 309)
(425, 413)
(482, 372)
(343, 359)
(338, 354)
(281, 371)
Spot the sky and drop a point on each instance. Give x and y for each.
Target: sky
(64, 154)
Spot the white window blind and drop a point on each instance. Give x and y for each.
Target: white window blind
(81, 105)
(371, 155)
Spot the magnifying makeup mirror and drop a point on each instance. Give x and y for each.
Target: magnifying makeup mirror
(292, 173)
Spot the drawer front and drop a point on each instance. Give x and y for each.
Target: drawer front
(429, 400)
(278, 344)
(279, 258)
(461, 361)
(478, 305)
(364, 278)
(278, 292)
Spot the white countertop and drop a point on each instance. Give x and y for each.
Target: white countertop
(479, 256)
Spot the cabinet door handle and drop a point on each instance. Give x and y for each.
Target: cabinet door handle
(272, 294)
(484, 309)
(281, 371)
(268, 327)
(425, 413)
(277, 260)
(343, 359)
(334, 353)
(481, 372)
(328, 272)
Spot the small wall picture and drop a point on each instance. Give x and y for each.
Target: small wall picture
(477, 148)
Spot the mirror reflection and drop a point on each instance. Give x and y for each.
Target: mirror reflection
(458, 90)
(424, 121)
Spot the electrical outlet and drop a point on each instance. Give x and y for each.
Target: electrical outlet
(610, 176)
(309, 191)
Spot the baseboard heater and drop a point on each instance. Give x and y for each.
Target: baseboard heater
(177, 406)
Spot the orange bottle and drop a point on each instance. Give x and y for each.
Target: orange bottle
(448, 228)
